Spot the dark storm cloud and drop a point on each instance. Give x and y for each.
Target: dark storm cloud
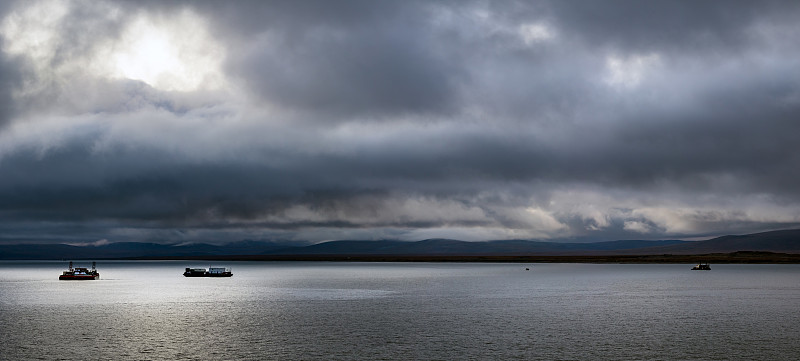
(668, 25)
(365, 74)
(351, 58)
(595, 120)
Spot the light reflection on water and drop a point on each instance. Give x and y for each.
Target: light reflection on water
(327, 311)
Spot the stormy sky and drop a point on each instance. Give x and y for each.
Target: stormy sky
(215, 121)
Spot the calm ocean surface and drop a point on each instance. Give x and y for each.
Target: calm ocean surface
(400, 311)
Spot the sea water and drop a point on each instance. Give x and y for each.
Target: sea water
(400, 311)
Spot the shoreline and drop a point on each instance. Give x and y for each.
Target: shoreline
(742, 257)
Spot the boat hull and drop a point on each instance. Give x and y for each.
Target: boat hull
(79, 278)
(226, 274)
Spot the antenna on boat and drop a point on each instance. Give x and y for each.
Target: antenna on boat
(93, 264)
(70, 265)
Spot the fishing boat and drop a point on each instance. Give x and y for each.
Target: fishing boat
(702, 267)
(211, 272)
(80, 273)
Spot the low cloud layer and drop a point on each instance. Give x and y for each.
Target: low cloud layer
(207, 121)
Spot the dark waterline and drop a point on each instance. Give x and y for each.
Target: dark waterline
(145, 310)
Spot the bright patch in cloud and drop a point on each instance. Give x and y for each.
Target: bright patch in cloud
(636, 226)
(30, 30)
(174, 55)
(629, 72)
(535, 33)
(543, 220)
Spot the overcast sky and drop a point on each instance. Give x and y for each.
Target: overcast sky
(215, 121)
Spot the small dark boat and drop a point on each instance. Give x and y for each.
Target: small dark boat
(80, 273)
(702, 267)
(211, 272)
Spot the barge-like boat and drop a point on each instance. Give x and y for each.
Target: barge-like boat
(80, 273)
(211, 272)
(702, 267)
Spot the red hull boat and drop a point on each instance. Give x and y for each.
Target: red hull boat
(80, 274)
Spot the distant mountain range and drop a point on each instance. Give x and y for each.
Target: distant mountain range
(136, 250)
(787, 241)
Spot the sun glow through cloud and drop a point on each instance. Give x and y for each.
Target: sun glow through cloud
(171, 54)
(148, 56)
(175, 55)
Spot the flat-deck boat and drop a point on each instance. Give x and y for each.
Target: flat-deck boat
(211, 272)
(702, 267)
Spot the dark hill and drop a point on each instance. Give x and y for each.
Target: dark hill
(440, 246)
(343, 247)
(135, 250)
(785, 241)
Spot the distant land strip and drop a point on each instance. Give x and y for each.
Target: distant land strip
(782, 246)
(741, 257)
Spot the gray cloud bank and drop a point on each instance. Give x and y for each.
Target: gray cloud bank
(409, 120)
